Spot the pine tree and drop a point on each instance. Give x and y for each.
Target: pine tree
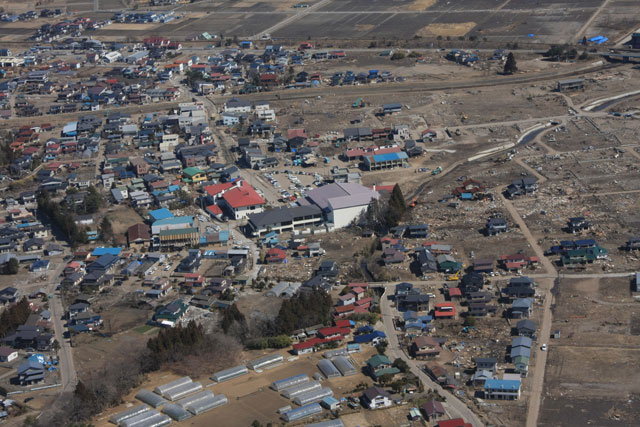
(510, 65)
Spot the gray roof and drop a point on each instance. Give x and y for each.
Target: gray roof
(341, 195)
(279, 215)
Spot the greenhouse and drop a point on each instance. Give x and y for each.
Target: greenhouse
(328, 369)
(230, 373)
(150, 398)
(331, 423)
(345, 367)
(141, 409)
(148, 419)
(289, 382)
(206, 404)
(330, 354)
(312, 396)
(265, 362)
(296, 390)
(162, 389)
(207, 394)
(176, 412)
(302, 412)
(183, 390)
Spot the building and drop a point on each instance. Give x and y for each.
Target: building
(386, 161)
(341, 204)
(522, 186)
(380, 365)
(502, 389)
(284, 219)
(242, 200)
(138, 235)
(526, 328)
(176, 239)
(433, 410)
(570, 84)
(375, 397)
(486, 364)
(30, 372)
(577, 224)
(7, 354)
(496, 226)
(424, 347)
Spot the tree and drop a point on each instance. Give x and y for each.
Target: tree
(93, 200)
(55, 345)
(470, 321)
(382, 347)
(396, 209)
(510, 65)
(401, 365)
(106, 230)
(397, 56)
(584, 40)
(385, 379)
(12, 267)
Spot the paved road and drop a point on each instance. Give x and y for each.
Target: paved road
(454, 407)
(68, 375)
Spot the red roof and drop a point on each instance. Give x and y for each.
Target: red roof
(292, 133)
(455, 292)
(276, 253)
(308, 343)
(445, 309)
(359, 285)
(357, 290)
(345, 308)
(214, 209)
(342, 323)
(243, 196)
(364, 301)
(388, 188)
(215, 189)
(456, 422)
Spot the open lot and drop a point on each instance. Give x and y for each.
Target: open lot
(588, 380)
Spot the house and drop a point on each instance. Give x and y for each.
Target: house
(347, 299)
(526, 328)
(486, 364)
(484, 265)
(417, 231)
(328, 268)
(30, 372)
(433, 410)
(403, 289)
(521, 365)
(9, 295)
(479, 377)
(445, 310)
(242, 200)
(521, 308)
(414, 302)
(496, 226)
(379, 365)
(138, 235)
(520, 187)
(170, 314)
(502, 389)
(375, 397)
(424, 347)
(7, 354)
(456, 422)
(577, 224)
(426, 261)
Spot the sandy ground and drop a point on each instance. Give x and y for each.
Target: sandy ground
(421, 4)
(451, 30)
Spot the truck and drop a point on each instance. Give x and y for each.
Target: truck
(437, 170)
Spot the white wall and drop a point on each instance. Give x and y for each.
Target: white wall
(343, 217)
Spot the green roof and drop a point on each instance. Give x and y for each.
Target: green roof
(391, 371)
(192, 171)
(521, 359)
(377, 360)
(179, 231)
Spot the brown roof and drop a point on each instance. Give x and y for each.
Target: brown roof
(138, 232)
(6, 351)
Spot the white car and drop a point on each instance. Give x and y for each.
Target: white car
(543, 347)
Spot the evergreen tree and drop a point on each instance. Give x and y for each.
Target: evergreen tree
(12, 267)
(106, 229)
(510, 65)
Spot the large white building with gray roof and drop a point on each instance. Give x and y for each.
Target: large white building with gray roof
(341, 203)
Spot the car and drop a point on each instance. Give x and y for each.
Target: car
(543, 347)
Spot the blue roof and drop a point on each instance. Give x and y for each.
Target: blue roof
(388, 156)
(512, 385)
(174, 220)
(330, 400)
(160, 214)
(103, 251)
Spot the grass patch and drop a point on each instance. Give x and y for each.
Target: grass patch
(143, 329)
